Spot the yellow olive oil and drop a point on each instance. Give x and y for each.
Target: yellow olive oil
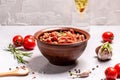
(81, 5)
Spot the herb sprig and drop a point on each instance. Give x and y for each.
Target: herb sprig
(18, 53)
(106, 46)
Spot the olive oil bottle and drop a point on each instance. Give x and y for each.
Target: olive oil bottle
(81, 5)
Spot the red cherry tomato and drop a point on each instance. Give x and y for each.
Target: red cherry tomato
(29, 36)
(18, 40)
(117, 67)
(107, 36)
(111, 73)
(29, 42)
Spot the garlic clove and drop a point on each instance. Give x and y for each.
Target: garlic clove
(84, 73)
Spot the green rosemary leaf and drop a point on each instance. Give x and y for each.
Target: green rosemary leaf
(18, 53)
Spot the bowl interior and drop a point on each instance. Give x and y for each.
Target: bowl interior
(40, 32)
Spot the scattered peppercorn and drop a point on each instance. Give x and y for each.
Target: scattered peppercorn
(90, 72)
(70, 73)
(75, 70)
(73, 77)
(93, 68)
(23, 67)
(9, 68)
(34, 77)
(103, 79)
(33, 72)
(17, 67)
(78, 70)
(97, 66)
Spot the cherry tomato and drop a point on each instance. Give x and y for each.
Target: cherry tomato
(29, 36)
(111, 73)
(107, 36)
(18, 40)
(117, 67)
(29, 42)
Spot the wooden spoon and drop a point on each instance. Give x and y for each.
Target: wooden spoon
(17, 72)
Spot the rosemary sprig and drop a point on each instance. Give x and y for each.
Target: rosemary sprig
(18, 53)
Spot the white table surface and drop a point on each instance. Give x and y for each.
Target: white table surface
(39, 64)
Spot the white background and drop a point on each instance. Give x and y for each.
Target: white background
(39, 64)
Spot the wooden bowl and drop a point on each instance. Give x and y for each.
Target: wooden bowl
(62, 54)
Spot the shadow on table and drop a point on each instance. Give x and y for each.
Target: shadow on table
(40, 64)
